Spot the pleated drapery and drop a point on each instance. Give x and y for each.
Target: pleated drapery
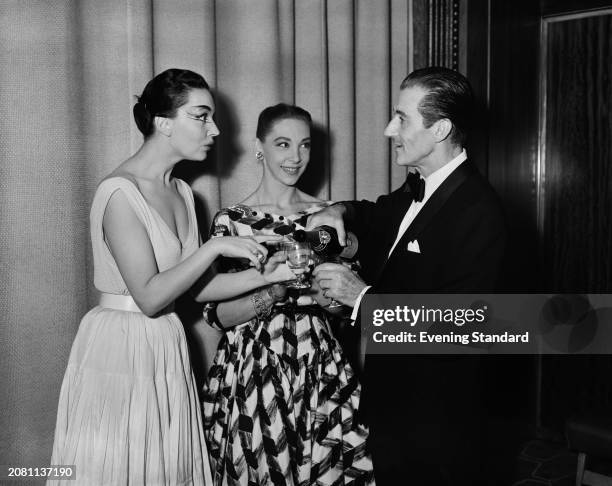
(70, 71)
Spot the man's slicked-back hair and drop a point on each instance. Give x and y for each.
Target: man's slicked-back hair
(449, 95)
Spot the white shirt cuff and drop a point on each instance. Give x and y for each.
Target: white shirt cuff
(358, 302)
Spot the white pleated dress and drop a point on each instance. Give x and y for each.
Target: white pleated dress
(128, 411)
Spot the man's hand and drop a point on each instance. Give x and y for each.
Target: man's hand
(330, 216)
(338, 282)
(317, 294)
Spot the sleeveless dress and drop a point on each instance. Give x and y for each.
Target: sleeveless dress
(128, 410)
(281, 401)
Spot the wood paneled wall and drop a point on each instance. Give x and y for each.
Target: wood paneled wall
(545, 143)
(576, 154)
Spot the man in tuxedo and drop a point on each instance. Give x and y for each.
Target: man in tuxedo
(442, 232)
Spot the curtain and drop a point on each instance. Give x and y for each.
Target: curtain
(70, 70)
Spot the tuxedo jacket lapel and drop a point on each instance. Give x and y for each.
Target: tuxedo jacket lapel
(436, 201)
(403, 202)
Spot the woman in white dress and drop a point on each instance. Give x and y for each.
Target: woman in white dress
(128, 410)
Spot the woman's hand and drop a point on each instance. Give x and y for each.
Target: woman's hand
(278, 292)
(239, 247)
(276, 270)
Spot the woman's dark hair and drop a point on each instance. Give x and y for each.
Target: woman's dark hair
(449, 95)
(272, 114)
(163, 95)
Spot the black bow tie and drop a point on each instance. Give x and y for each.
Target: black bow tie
(415, 184)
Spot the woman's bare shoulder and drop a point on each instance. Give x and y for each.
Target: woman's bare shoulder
(122, 172)
(249, 200)
(309, 199)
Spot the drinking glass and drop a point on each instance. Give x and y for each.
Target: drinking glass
(298, 259)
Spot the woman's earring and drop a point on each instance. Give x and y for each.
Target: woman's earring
(259, 156)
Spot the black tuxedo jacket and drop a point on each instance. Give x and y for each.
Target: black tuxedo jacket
(425, 412)
(460, 232)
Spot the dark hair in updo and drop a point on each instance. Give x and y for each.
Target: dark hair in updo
(272, 114)
(163, 95)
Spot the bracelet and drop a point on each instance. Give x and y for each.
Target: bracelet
(210, 314)
(262, 308)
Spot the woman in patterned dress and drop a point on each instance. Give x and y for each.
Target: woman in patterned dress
(280, 401)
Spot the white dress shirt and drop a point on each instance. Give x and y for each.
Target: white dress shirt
(432, 182)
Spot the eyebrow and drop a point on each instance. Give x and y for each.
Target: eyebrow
(204, 107)
(307, 139)
(397, 111)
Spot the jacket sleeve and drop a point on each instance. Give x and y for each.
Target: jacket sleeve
(364, 217)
